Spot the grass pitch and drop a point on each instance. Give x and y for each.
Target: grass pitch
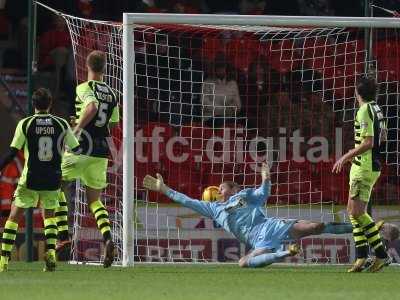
(27, 281)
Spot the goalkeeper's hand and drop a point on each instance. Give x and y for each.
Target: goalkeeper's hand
(265, 173)
(154, 184)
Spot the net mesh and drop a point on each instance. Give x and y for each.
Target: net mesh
(211, 103)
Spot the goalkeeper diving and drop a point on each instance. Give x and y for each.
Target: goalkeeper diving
(242, 213)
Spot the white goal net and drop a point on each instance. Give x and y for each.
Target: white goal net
(212, 102)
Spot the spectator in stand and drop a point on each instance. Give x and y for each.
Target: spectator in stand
(257, 91)
(54, 44)
(54, 50)
(168, 82)
(221, 100)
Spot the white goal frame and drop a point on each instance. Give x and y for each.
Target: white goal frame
(129, 21)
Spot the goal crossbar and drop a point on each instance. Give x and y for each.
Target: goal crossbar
(265, 20)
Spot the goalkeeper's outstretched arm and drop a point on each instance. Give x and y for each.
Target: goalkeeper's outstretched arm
(261, 194)
(158, 185)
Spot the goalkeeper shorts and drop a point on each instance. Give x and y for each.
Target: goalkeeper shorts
(92, 171)
(362, 182)
(27, 198)
(273, 233)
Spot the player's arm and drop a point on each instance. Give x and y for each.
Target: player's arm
(70, 139)
(114, 120)
(90, 107)
(367, 133)
(261, 194)
(367, 144)
(158, 185)
(16, 144)
(87, 116)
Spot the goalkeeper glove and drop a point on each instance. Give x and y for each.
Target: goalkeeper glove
(265, 173)
(154, 184)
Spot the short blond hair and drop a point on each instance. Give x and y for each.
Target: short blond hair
(96, 61)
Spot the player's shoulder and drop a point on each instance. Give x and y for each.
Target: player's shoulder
(85, 87)
(23, 123)
(61, 121)
(24, 120)
(103, 86)
(363, 107)
(363, 110)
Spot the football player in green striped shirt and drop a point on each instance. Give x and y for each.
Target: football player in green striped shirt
(370, 133)
(97, 110)
(43, 137)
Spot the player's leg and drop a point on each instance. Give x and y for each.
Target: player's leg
(50, 233)
(23, 198)
(9, 235)
(95, 179)
(365, 230)
(355, 208)
(99, 212)
(71, 167)
(264, 257)
(61, 215)
(49, 203)
(303, 228)
(103, 223)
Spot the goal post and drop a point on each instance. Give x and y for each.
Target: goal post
(295, 80)
(128, 142)
(221, 22)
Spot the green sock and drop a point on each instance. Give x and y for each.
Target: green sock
(101, 215)
(50, 232)
(8, 239)
(360, 239)
(372, 234)
(61, 214)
